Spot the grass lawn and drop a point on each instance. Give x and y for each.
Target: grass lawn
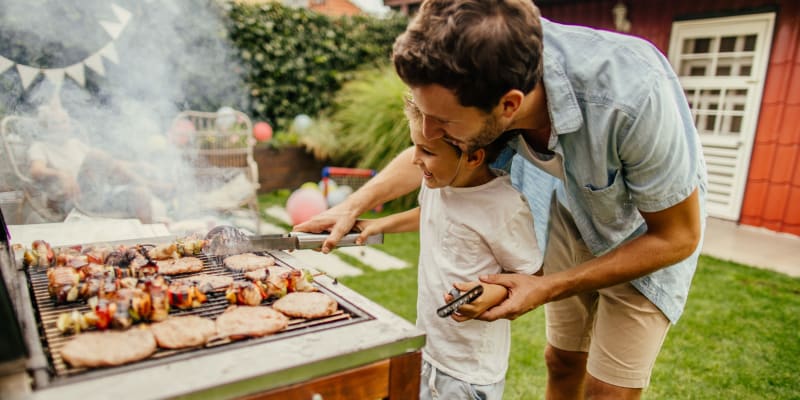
(739, 337)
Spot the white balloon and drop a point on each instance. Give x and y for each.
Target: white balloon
(339, 195)
(226, 117)
(301, 123)
(331, 185)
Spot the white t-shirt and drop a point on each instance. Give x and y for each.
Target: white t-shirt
(465, 233)
(67, 156)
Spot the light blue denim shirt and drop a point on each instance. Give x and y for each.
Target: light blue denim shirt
(622, 126)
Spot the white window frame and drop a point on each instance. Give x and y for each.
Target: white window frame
(763, 25)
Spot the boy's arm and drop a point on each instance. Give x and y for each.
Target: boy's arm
(406, 221)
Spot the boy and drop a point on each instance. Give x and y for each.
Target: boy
(466, 215)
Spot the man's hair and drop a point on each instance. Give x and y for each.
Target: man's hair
(479, 49)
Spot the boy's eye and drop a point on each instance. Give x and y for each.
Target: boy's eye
(426, 151)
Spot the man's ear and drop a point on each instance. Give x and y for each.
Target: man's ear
(475, 159)
(511, 102)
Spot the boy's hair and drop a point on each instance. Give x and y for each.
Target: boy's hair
(493, 149)
(479, 49)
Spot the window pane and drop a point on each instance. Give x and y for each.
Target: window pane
(696, 46)
(750, 43)
(724, 70)
(727, 44)
(701, 45)
(736, 124)
(745, 70)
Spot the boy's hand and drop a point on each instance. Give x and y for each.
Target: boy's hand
(367, 228)
(492, 296)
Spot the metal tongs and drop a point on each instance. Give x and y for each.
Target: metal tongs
(226, 240)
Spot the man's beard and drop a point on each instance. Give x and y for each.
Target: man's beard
(490, 130)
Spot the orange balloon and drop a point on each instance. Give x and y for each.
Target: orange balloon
(262, 131)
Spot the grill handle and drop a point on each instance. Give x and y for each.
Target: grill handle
(315, 240)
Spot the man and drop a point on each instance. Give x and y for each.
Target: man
(609, 160)
(76, 174)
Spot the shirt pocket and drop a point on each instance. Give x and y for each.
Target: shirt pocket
(462, 244)
(612, 204)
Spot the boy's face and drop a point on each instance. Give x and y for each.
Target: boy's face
(437, 159)
(443, 117)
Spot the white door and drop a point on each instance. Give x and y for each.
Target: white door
(722, 64)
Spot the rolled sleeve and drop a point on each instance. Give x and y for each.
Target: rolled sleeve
(657, 152)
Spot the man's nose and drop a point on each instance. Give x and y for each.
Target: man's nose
(431, 129)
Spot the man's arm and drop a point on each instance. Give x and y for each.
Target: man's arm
(398, 178)
(672, 235)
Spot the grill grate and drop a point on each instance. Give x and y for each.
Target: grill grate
(47, 313)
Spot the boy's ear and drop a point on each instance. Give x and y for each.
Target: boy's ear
(476, 158)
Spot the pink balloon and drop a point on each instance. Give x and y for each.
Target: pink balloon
(181, 130)
(304, 204)
(262, 131)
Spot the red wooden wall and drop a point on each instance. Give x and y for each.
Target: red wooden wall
(772, 195)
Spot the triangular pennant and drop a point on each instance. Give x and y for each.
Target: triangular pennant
(95, 63)
(76, 73)
(5, 64)
(27, 74)
(55, 75)
(112, 28)
(123, 15)
(110, 53)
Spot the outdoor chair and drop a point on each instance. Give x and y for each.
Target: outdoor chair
(218, 147)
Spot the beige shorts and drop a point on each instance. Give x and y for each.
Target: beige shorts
(621, 330)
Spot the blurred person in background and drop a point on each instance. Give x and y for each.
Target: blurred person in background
(74, 173)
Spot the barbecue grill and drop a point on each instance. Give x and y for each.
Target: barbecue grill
(361, 351)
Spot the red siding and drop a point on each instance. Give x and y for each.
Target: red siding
(772, 195)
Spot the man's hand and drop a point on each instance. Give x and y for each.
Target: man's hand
(525, 293)
(338, 220)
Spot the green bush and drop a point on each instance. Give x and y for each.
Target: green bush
(298, 59)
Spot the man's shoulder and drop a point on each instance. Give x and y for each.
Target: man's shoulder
(589, 49)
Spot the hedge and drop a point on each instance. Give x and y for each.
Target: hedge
(296, 60)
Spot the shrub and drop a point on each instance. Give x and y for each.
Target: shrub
(298, 59)
(366, 126)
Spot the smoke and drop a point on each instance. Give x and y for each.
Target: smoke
(165, 56)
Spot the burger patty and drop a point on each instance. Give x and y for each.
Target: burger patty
(306, 305)
(248, 262)
(238, 322)
(209, 283)
(186, 331)
(181, 265)
(109, 348)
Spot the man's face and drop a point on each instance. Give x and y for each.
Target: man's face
(443, 117)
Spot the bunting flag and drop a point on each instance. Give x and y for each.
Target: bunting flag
(5, 64)
(76, 71)
(110, 53)
(95, 63)
(27, 75)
